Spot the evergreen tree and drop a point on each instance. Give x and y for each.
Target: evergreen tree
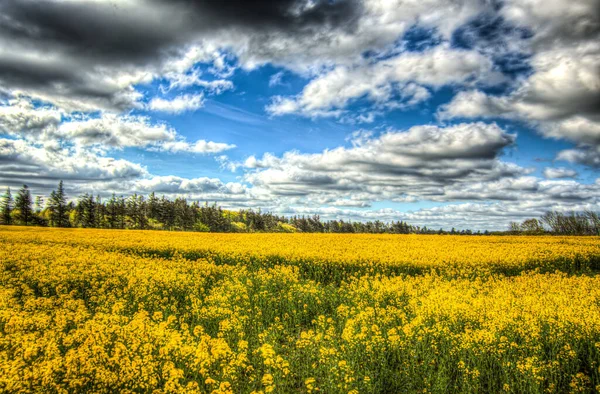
(38, 218)
(23, 205)
(112, 212)
(86, 211)
(6, 207)
(57, 207)
(39, 204)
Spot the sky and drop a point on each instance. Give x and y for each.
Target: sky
(461, 113)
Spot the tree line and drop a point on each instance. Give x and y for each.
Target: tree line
(161, 213)
(560, 223)
(154, 213)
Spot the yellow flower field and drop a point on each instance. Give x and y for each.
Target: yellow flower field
(157, 312)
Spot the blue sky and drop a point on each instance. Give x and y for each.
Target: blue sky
(467, 114)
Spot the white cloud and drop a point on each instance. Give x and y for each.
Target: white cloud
(20, 160)
(560, 172)
(179, 104)
(377, 29)
(560, 22)
(179, 185)
(399, 81)
(421, 162)
(561, 98)
(115, 131)
(470, 215)
(20, 117)
(200, 146)
(108, 131)
(184, 80)
(589, 156)
(565, 83)
(276, 79)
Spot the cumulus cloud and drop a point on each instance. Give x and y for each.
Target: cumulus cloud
(89, 55)
(178, 185)
(108, 131)
(177, 105)
(560, 172)
(566, 83)
(22, 117)
(183, 79)
(589, 156)
(200, 146)
(115, 131)
(561, 96)
(470, 215)
(420, 162)
(399, 81)
(41, 167)
(133, 131)
(21, 160)
(83, 55)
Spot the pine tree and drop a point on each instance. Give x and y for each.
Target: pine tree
(57, 206)
(39, 204)
(86, 211)
(23, 205)
(6, 207)
(112, 212)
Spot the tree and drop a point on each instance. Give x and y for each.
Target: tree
(57, 206)
(86, 211)
(23, 205)
(532, 226)
(514, 228)
(39, 204)
(6, 207)
(112, 212)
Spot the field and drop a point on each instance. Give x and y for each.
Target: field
(140, 311)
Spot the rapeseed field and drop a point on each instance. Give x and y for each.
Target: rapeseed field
(109, 311)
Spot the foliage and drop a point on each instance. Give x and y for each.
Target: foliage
(57, 207)
(23, 206)
(6, 207)
(574, 223)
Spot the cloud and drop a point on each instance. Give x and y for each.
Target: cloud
(89, 55)
(470, 215)
(22, 161)
(183, 79)
(562, 22)
(47, 125)
(398, 165)
(565, 83)
(560, 172)
(276, 79)
(397, 82)
(561, 99)
(179, 104)
(114, 131)
(589, 156)
(561, 96)
(41, 167)
(200, 146)
(22, 117)
(178, 185)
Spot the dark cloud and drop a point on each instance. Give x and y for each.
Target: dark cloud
(282, 15)
(56, 48)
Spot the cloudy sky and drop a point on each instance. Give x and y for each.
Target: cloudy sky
(449, 113)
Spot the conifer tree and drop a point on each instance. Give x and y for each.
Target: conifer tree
(57, 207)
(6, 207)
(23, 205)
